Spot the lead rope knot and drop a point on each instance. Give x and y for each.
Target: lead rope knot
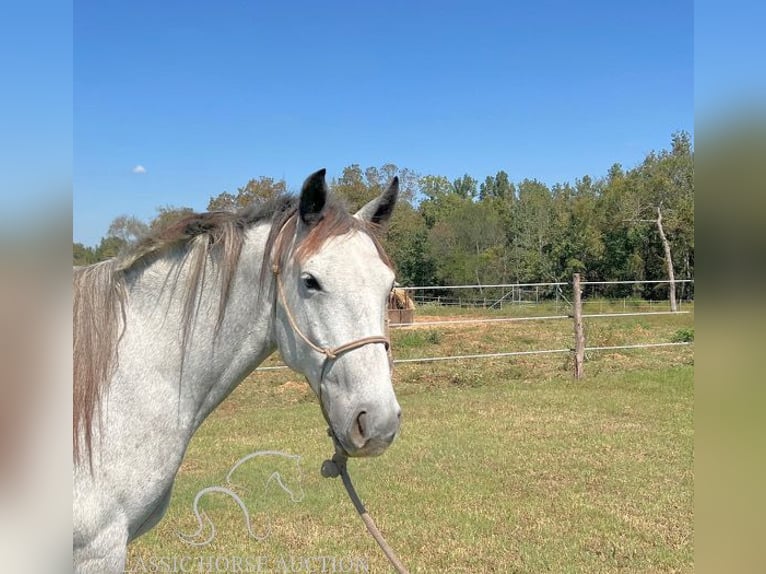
(332, 468)
(335, 467)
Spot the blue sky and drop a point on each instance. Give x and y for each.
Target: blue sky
(729, 45)
(206, 95)
(35, 108)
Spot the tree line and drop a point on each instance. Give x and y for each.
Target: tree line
(626, 225)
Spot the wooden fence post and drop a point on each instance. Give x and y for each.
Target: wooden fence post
(579, 333)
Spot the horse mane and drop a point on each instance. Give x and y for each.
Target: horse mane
(100, 290)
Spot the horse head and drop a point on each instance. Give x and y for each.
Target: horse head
(332, 286)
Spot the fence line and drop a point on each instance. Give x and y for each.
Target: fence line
(519, 293)
(456, 301)
(450, 358)
(634, 282)
(533, 318)
(466, 321)
(498, 286)
(480, 356)
(577, 312)
(274, 368)
(549, 284)
(511, 354)
(639, 346)
(595, 316)
(546, 352)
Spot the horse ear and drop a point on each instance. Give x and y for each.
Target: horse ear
(313, 198)
(379, 209)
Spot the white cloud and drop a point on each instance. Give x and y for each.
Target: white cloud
(139, 169)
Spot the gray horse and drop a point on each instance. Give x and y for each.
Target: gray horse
(165, 332)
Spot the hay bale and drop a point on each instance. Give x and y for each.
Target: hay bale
(401, 307)
(400, 299)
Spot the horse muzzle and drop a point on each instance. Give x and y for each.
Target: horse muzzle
(371, 431)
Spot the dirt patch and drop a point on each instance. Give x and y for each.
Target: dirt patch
(293, 386)
(434, 319)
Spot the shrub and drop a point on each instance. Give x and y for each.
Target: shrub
(685, 335)
(417, 339)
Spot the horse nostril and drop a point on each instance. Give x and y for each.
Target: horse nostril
(366, 427)
(361, 424)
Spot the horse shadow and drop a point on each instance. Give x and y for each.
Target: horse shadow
(292, 485)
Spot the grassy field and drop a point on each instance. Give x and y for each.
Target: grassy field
(503, 465)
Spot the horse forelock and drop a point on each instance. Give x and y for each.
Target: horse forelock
(335, 221)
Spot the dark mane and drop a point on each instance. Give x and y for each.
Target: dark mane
(215, 237)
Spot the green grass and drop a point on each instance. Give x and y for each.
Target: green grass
(502, 465)
(412, 339)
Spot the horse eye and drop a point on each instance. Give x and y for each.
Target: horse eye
(310, 282)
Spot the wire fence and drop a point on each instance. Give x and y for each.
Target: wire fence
(511, 354)
(497, 296)
(544, 352)
(574, 309)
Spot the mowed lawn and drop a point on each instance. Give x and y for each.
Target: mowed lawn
(502, 466)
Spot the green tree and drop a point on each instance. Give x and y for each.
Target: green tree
(498, 186)
(530, 233)
(406, 243)
(465, 187)
(458, 232)
(657, 208)
(83, 255)
(622, 258)
(167, 214)
(377, 179)
(256, 191)
(467, 245)
(109, 247)
(356, 186)
(577, 243)
(438, 201)
(352, 186)
(127, 228)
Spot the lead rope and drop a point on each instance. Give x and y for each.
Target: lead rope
(337, 465)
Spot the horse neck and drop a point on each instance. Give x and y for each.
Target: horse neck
(215, 356)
